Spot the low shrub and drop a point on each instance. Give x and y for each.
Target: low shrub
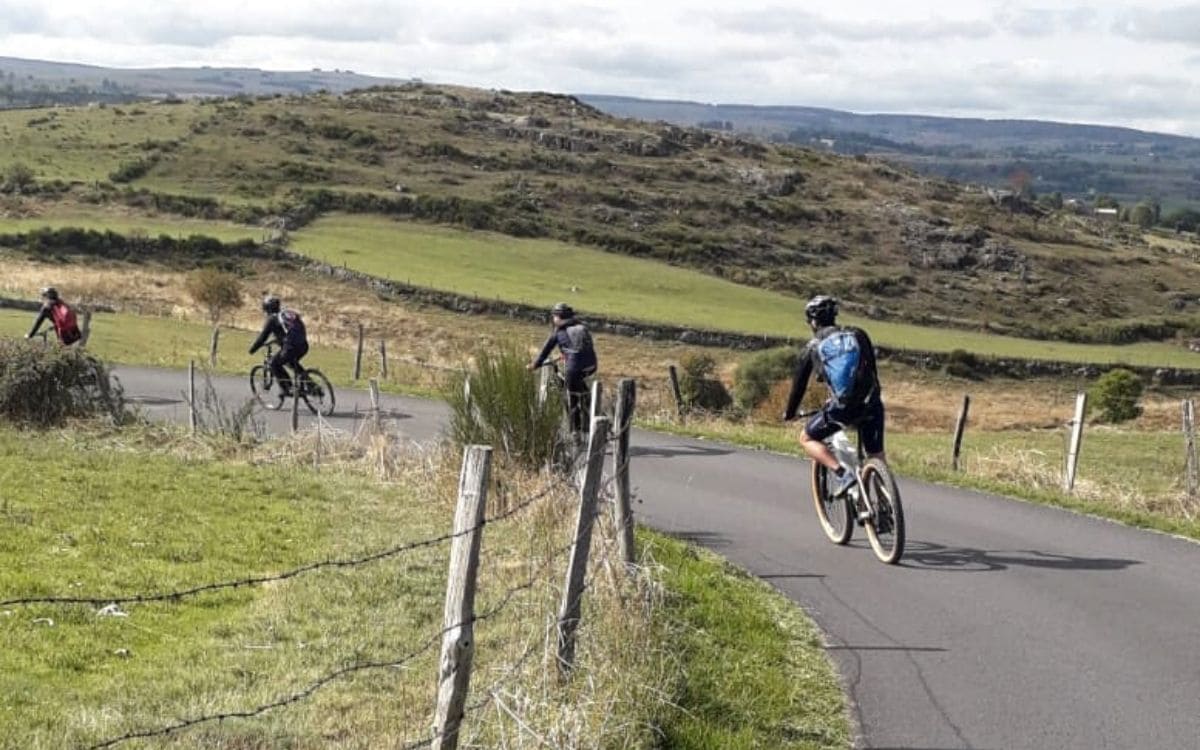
(1115, 396)
(44, 386)
(963, 364)
(759, 372)
(700, 390)
(502, 409)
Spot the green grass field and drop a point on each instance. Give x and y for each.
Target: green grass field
(126, 223)
(541, 272)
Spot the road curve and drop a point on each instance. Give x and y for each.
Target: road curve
(1008, 626)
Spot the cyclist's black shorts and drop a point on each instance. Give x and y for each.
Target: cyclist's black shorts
(867, 418)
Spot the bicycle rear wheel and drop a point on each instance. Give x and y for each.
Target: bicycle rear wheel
(261, 381)
(317, 393)
(837, 520)
(885, 528)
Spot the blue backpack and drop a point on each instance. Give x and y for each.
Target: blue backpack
(839, 354)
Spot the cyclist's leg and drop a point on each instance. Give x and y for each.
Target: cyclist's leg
(871, 428)
(576, 393)
(820, 427)
(284, 356)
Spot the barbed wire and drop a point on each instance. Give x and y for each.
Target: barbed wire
(285, 575)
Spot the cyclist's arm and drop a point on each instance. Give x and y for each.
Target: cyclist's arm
(270, 327)
(43, 316)
(547, 348)
(799, 383)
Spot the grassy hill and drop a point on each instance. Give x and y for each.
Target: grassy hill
(894, 244)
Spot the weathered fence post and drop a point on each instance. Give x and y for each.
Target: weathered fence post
(543, 385)
(383, 372)
(568, 615)
(1191, 467)
(295, 408)
(193, 417)
(959, 427)
(85, 332)
(622, 422)
(458, 643)
(212, 347)
(358, 354)
(1076, 438)
(674, 374)
(597, 398)
(373, 389)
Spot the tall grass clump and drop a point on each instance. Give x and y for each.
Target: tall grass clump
(496, 404)
(759, 372)
(44, 386)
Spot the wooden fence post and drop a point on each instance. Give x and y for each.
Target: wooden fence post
(674, 374)
(568, 615)
(543, 385)
(1192, 467)
(1076, 439)
(295, 408)
(597, 398)
(622, 422)
(383, 370)
(458, 643)
(85, 332)
(193, 417)
(373, 389)
(959, 428)
(358, 354)
(212, 347)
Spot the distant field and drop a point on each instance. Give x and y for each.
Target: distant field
(541, 272)
(100, 219)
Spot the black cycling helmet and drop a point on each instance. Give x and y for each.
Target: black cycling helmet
(50, 293)
(562, 310)
(821, 310)
(270, 304)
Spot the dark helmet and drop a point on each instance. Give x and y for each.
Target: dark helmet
(50, 293)
(562, 310)
(821, 310)
(270, 304)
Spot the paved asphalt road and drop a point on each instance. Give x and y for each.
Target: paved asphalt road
(1008, 626)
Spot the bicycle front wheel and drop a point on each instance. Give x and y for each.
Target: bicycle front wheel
(261, 381)
(318, 393)
(885, 528)
(835, 515)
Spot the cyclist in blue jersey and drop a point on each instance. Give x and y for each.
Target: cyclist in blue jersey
(844, 359)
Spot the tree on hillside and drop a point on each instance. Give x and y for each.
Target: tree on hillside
(18, 178)
(1143, 215)
(217, 292)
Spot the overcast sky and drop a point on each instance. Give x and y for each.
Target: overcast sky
(1114, 63)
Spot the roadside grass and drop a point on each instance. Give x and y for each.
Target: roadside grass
(756, 674)
(1134, 477)
(536, 271)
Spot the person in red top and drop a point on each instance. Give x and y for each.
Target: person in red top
(60, 315)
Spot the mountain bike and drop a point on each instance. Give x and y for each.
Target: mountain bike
(309, 384)
(874, 494)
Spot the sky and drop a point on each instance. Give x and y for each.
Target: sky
(1117, 63)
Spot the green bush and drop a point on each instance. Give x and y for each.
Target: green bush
(963, 364)
(761, 370)
(1115, 396)
(44, 386)
(700, 390)
(503, 409)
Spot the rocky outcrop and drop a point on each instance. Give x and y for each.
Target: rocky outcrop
(937, 244)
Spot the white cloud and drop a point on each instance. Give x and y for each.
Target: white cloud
(1048, 60)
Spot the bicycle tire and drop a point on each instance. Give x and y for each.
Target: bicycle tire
(885, 527)
(834, 513)
(261, 381)
(320, 401)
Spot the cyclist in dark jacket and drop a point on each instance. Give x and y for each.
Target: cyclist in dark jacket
(60, 315)
(844, 358)
(287, 329)
(574, 340)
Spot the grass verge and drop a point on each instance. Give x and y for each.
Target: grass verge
(755, 672)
